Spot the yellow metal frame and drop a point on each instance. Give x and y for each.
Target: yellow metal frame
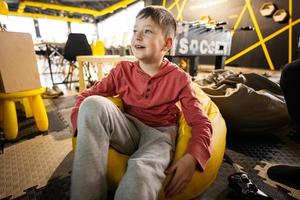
(3, 8)
(262, 40)
(95, 13)
(238, 21)
(290, 30)
(36, 16)
(179, 5)
(253, 46)
(111, 9)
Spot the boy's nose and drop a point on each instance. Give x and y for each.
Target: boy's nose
(139, 35)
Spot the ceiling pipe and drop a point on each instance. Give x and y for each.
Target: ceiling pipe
(36, 16)
(95, 13)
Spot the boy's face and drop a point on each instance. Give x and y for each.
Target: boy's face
(148, 41)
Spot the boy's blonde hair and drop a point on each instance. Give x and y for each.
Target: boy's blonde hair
(162, 17)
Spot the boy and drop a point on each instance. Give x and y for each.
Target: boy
(149, 89)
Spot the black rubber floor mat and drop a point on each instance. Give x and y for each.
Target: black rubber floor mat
(250, 152)
(58, 188)
(56, 122)
(27, 128)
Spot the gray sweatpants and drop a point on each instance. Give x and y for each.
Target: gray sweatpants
(100, 125)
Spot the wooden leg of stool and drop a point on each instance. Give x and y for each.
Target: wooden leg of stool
(10, 120)
(39, 113)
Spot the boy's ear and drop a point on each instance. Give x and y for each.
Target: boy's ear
(169, 43)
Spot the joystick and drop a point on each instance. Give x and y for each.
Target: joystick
(244, 187)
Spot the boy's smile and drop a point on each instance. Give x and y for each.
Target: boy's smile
(148, 41)
(138, 47)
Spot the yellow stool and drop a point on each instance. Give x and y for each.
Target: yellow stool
(33, 106)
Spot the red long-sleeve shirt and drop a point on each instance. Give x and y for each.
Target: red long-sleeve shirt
(153, 101)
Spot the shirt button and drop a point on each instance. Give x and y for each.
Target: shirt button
(148, 89)
(146, 96)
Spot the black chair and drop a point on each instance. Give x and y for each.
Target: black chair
(108, 51)
(76, 45)
(128, 50)
(115, 50)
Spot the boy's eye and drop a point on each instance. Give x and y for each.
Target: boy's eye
(148, 31)
(134, 31)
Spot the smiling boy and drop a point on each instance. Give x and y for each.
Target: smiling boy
(150, 89)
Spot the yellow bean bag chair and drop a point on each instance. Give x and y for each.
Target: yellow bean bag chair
(117, 162)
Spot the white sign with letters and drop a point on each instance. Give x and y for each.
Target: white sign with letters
(198, 40)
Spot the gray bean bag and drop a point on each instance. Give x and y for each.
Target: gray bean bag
(250, 103)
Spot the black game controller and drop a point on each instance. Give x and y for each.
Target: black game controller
(244, 187)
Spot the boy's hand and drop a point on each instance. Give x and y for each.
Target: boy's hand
(182, 171)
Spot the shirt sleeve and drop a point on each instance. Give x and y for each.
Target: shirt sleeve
(200, 143)
(104, 87)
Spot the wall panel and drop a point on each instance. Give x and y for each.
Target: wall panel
(229, 10)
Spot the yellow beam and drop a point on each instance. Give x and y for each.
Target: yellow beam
(176, 3)
(3, 8)
(266, 39)
(260, 37)
(116, 6)
(35, 16)
(238, 21)
(282, 30)
(290, 31)
(178, 9)
(172, 5)
(21, 7)
(164, 3)
(180, 16)
(236, 56)
(111, 9)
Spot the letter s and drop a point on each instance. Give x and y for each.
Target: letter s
(183, 46)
